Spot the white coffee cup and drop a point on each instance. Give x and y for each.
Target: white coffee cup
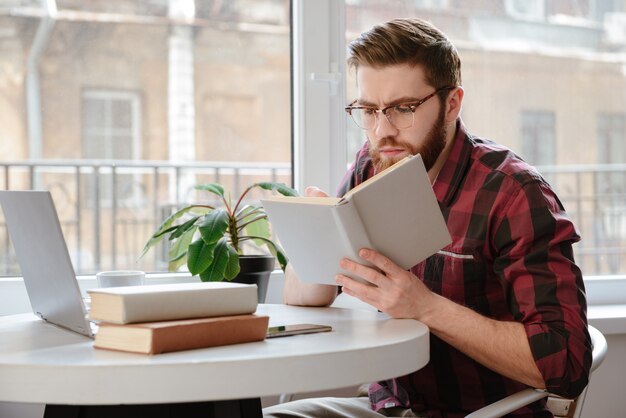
(117, 278)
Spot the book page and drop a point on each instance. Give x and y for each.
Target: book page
(310, 237)
(401, 214)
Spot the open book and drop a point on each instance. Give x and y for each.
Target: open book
(394, 212)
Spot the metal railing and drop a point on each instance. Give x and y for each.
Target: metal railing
(594, 197)
(109, 209)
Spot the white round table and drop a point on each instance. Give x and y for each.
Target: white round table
(42, 363)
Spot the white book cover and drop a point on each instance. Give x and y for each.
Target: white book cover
(395, 212)
(162, 302)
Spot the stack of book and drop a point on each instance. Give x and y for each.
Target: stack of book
(173, 317)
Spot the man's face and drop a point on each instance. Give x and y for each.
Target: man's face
(385, 86)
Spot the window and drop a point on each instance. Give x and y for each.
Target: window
(202, 92)
(523, 61)
(538, 137)
(120, 107)
(111, 131)
(611, 186)
(111, 125)
(526, 9)
(612, 145)
(599, 9)
(432, 4)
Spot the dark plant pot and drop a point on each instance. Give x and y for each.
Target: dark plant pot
(256, 269)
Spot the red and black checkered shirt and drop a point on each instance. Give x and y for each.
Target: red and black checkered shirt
(510, 259)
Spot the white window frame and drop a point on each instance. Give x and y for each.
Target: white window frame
(319, 122)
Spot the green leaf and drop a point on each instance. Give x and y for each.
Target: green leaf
(202, 210)
(164, 228)
(174, 265)
(214, 225)
(280, 256)
(275, 249)
(179, 246)
(182, 228)
(211, 187)
(199, 256)
(225, 263)
(253, 220)
(281, 188)
(259, 228)
(247, 213)
(232, 267)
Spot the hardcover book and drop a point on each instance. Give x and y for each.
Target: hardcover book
(132, 304)
(168, 336)
(395, 212)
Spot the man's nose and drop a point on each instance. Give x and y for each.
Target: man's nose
(384, 127)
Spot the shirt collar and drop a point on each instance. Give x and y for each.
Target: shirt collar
(451, 175)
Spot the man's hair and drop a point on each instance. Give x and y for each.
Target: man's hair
(408, 41)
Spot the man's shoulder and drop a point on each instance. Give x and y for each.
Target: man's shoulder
(500, 161)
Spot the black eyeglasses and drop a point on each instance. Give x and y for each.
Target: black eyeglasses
(401, 116)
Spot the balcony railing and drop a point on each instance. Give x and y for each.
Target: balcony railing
(595, 199)
(108, 209)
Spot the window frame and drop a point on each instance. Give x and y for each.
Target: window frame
(318, 77)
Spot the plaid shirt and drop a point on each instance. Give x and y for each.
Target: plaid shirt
(510, 259)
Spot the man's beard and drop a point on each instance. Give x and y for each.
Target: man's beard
(430, 150)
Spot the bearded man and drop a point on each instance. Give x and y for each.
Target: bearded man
(505, 301)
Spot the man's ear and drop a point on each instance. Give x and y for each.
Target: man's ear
(453, 104)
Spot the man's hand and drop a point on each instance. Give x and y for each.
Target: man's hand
(501, 346)
(296, 292)
(396, 291)
(313, 191)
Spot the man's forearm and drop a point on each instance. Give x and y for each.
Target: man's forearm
(300, 293)
(501, 346)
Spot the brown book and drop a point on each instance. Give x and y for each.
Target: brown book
(168, 336)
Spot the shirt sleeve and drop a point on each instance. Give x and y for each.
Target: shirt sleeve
(544, 287)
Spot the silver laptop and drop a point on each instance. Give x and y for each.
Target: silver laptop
(41, 252)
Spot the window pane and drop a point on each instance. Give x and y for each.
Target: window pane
(132, 104)
(94, 115)
(121, 115)
(544, 79)
(538, 137)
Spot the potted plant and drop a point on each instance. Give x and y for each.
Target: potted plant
(211, 239)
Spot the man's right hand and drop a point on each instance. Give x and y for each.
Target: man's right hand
(299, 293)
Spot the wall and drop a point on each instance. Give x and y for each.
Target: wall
(605, 397)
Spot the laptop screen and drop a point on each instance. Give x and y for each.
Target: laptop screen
(41, 252)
